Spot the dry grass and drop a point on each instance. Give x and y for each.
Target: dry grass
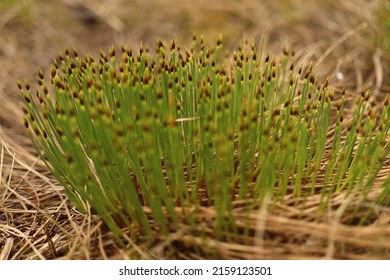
(36, 219)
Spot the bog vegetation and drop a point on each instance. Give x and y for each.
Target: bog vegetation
(146, 140)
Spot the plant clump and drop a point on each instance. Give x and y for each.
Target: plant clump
(146, 140)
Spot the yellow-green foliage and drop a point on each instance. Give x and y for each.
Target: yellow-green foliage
(383, 25)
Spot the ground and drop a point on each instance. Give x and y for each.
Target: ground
(343, 39)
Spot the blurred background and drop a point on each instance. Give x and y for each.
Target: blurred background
(32, 31)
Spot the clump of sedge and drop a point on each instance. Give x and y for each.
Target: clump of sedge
(148, 140)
